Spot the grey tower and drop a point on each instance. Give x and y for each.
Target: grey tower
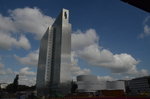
(54, 57)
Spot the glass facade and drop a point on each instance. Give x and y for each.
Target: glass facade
(54, 56)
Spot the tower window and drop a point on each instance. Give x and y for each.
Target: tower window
(54, 30)
(65, 15)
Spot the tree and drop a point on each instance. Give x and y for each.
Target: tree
(13, 87)
(74, 87)
(15, 83)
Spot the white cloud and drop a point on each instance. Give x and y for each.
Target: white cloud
(7, 41)
(146, 28)
(75, 69)
(30, 59)
(23, 42)
(96, 55)
(20, 22)
(138, 73)
(7, 24)
(7, 38)
(31, 20)
(26, 71)
(81, 39)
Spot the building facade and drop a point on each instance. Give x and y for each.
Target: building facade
(115, 85)
(139, 85)
(54, 56)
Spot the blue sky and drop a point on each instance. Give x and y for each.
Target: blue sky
(110, 38)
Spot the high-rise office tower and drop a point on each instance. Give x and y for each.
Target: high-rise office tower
(54, 56)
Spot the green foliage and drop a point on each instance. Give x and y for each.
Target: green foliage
(10, 88)
(14, 87)
(74, 87)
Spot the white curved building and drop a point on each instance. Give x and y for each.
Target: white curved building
(90, 83)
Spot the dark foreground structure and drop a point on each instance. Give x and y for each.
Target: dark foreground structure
(54, 58)
(142, 4)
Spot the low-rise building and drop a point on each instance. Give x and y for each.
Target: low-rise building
(3, 85)
(90, 83)
(115, 85)
(139, 85)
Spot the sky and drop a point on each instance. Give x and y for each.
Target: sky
(110, 38)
